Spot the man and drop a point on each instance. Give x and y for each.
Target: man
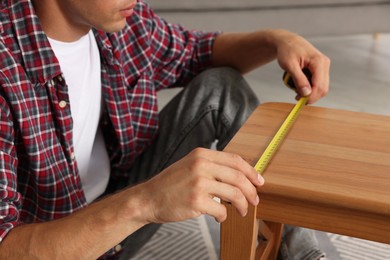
(79, 125)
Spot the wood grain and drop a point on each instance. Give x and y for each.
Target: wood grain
(332, 172)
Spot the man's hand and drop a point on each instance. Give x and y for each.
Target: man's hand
(186, 189)
(247, 51)
(294, 53)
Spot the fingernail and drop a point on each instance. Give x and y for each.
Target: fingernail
(306, 91)
(260, 178)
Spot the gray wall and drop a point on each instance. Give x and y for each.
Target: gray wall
(308, 18)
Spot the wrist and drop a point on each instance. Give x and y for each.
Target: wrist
(276, 37)
(137, 205)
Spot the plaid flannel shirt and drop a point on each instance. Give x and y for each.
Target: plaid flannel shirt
(39, 179)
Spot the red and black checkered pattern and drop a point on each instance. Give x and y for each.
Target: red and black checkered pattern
(39, 180)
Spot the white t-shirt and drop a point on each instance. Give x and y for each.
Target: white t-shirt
(80, 64)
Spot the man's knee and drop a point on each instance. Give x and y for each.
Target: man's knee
(225, 73)
(226, 80)
(221, 76)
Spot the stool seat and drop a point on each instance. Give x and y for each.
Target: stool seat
(331, 173)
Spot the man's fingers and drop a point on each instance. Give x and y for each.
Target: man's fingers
(301, 81)
(238, 180)
(227, 176)
(233, 161)
(233, 195)
(215, 209)
(315, 85)
(320, 79)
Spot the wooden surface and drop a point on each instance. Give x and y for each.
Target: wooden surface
(238, 235)
(332, 173)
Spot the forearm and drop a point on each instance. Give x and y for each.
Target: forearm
(245, 51)
(86, 234)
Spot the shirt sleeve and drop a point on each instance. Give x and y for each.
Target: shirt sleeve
(177, 54)
(10, 199)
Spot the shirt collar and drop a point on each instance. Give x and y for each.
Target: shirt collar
(106, 48)
(38, 58)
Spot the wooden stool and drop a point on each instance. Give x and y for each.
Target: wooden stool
(332, 173)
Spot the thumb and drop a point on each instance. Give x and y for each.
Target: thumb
(302, 81)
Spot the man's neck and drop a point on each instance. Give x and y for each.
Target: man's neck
(57, 23)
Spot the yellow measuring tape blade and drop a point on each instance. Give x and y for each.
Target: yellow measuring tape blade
(272, 147)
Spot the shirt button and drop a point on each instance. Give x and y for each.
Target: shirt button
(62, 104)
(72, 156)
(118, 248)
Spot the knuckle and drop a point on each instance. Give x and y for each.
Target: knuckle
(197, 184)
(197, 164)
(326, 60)
(322, 59)
(236, 159)
(322, 92)
(237, 194)
(253, 191)
(238, 177)
(197, 152)
(222, 216)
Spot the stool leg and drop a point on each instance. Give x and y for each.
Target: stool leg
(270, 235)
(239, 234)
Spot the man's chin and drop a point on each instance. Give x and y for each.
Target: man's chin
(114, 27)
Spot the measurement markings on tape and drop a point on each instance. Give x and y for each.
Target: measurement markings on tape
(278, 138)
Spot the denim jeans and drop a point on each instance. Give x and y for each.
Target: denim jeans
(213, 106)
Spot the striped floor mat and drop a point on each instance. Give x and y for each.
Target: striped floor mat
(350, 248)
(198, 239)
(188, 240)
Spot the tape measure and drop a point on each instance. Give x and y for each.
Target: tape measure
(278, 138)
